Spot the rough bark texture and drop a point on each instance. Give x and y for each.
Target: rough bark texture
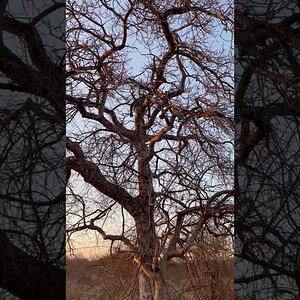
(145, 291)
(159, 287)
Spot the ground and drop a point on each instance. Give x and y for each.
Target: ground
(115, 277)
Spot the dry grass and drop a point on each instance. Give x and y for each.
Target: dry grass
(115, 278)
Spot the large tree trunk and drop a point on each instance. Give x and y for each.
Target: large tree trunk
(151, 276)
(146, 252)
(145, 288)
(150, 286)
(151, 289)
(159, 287)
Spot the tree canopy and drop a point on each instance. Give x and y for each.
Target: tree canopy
(150, 126)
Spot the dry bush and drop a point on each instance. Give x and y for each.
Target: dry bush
(107, 277)
(206, 273)
(115, 277)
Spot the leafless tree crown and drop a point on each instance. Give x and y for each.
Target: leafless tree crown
(150, 125)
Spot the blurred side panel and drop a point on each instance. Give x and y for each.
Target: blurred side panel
(267, 161)
(32, 149)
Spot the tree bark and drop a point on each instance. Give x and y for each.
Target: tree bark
(151, 288)
(159, 287)
(151, 277)
(146, 252)
(145, 289)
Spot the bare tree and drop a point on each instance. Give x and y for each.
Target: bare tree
(149, 107)
(32, 168)
(267, 162)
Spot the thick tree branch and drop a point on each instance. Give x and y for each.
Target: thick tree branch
(91, 173)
